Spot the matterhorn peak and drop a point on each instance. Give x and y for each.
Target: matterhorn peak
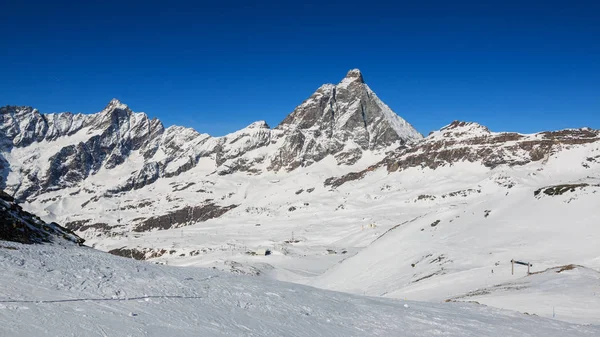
(354, 75)
(343, 120)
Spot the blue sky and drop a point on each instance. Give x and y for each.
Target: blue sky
(218, 66)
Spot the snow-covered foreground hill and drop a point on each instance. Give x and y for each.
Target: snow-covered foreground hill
(65, 290)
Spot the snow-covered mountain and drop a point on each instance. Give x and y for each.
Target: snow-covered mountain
(344, 193)
(343, 120)
(470, 142)
(46, 152)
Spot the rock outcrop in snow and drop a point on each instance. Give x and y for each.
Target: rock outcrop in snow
(18, 225)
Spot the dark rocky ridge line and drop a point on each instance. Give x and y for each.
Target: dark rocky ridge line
(174, 219)
(471, 142)
(561, 189)
(20, 226)
(183, 216)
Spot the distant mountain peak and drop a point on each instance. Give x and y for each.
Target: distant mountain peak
(460, 129)
(464, 125)
(351, 110)
(258, 125)
(354, 75)
(116, 104)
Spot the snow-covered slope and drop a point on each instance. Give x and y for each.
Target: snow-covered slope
(56, 290)
(460, 233)
(547, 292)
(414, 219)
(456, 220)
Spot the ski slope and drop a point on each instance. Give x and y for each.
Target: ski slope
(65, 290)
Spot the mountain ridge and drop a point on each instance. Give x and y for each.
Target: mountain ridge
(107, 139)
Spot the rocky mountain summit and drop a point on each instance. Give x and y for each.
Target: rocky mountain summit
(344, 120)
(47, 152)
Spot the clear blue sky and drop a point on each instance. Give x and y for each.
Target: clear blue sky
(217, 66)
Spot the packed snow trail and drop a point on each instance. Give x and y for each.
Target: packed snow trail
(65, 290)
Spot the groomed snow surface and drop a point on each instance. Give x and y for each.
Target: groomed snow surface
(65, 290)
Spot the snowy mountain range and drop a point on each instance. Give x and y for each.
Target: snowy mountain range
(45, 152)
(343, 193)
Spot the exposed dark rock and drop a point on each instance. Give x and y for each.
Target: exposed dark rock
(181, 188)
(147, 175)
(138, 254)
(426, 197)
(142, 204)
(99, 226)
(6, 197)
(183, 216)
(461, 193)
(335, 182)
(427, 276)
(559, 189)
(92, 199)
(189, 164)
(20, 226)
(75, 225)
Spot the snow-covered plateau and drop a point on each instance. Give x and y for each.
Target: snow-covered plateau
(342, 220)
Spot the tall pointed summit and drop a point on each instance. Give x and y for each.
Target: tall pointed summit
(354, 75)
(346, 119)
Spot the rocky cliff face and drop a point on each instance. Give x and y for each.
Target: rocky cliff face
(19, 226)
(48, 152)
(343, 120)
(463, 141)
(472, 142)
(54, 151)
